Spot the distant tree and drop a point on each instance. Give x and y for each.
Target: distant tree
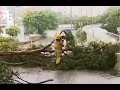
(85, 20)
(82, 21)
(64, 19)
(40, 21)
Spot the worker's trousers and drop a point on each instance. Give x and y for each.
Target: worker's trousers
(58, 54)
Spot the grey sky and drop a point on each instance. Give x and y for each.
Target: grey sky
(79, 10)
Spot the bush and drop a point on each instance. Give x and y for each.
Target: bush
(8, 44)
(13, 31)
(110, 29)
(8, 47)
(81, 36)
(4, 39)
(5, 74)
(70, 39)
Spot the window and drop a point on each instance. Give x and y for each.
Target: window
(9, 12)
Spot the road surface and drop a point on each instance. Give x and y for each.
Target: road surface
(36, 75)
(94, 32)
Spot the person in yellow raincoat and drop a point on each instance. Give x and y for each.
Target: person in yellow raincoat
(58, 44)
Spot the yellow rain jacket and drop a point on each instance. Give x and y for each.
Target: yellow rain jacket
(58, 50)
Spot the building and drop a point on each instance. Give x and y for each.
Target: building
(6, 19)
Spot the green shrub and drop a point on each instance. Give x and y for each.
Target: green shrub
(5, 74)
(8, 44)
(8, 47)
(10, 39)
(13, 31)
(70, 39)
(81, 36)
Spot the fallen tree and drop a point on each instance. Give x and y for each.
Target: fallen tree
(41, 52)
(31, 52)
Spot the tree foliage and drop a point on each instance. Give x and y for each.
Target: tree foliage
(112, 19)
(6, 76)
(85, 20)
(40, 21)
(64, 19)
(8, 44)
(13, 31)
(70, 39)
(81, 36)
(93, 56)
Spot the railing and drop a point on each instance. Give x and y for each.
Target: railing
(116, 36)
(31, 40)
(27, 42)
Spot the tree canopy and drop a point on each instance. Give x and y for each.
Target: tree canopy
(112, 19)
(40, 21)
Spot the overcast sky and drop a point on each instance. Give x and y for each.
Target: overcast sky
(79, 10)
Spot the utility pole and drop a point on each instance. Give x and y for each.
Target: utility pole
(81, 16)
(92, 23)
(71, 15)
(14, 16)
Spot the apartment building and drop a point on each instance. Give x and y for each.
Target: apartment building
(6, 19)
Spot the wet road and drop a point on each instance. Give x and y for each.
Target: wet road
(94, 32)
(35, 75)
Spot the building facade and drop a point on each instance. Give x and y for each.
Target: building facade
(6, 16)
